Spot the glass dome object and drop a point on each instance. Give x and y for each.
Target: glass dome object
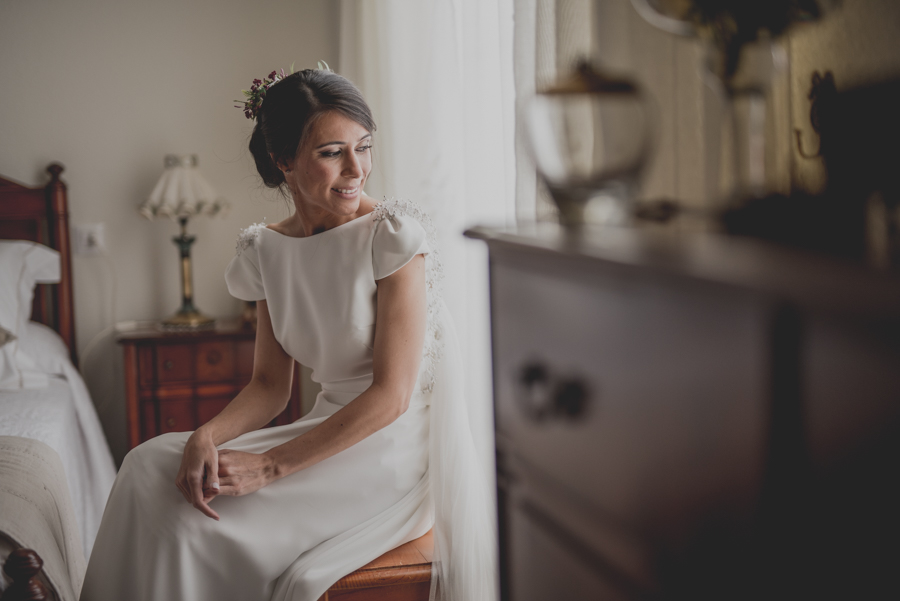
(590, 137)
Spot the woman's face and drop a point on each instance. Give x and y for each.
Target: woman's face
(331, 166)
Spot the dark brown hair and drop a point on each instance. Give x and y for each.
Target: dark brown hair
(291, 106)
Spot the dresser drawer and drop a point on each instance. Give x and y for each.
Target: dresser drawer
(159, 417)
(643, 399)
(215, 361)
(176, 416)
(209, 408)
(174, 363)
(546, 563)
(179, 381)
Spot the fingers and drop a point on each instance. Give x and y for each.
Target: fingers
(199, 462)
(181, 484)
(229, 487)
(211, 484)
(206, 510)
(198, 499)
(210, 492)
(195, 482)
(225, 472)
(195, 487)
(183, 494)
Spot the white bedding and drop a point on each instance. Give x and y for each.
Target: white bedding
(62, 416)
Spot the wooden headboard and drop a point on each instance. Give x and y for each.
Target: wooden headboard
(41, 214)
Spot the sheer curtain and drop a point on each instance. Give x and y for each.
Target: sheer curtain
(550, 36)
(439, 78)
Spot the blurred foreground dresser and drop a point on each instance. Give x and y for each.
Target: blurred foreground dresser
(178, 381)
(692, 417)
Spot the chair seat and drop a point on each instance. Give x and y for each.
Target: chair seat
(403, 574)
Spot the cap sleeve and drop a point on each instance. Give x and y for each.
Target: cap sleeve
(242, 276)
(398, 238)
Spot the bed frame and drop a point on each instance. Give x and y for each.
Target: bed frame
(41, 214)
(23, 567)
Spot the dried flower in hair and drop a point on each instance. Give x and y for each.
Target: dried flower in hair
(257, 92)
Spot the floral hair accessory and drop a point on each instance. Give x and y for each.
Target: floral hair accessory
(257, 92)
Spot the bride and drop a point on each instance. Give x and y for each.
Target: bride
(351, 288)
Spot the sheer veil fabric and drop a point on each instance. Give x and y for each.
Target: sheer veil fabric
(439, 78)
(464, 564)
(465, 552)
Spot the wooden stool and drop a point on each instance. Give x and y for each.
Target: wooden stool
(403, 574)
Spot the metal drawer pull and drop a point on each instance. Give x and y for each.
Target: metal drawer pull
(170, 422)
(541, 396)
(534, 391)
(213, 357)
(571, 398)
(168, 364)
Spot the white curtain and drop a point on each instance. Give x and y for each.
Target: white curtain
(439, 78)
(550, 37)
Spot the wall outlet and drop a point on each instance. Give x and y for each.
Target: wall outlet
(89, 239)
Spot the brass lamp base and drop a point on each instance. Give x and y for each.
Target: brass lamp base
(187, 317)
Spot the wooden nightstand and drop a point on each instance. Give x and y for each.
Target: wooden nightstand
(175, 381)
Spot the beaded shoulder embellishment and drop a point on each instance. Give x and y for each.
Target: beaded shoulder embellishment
(247, 237)
(434, 275)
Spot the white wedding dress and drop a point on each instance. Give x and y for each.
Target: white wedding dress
(294, 538)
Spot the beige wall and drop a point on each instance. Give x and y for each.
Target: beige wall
(108, 87)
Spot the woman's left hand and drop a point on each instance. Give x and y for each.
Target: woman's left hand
(243, 473)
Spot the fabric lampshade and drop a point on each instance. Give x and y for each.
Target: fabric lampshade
(181, 191)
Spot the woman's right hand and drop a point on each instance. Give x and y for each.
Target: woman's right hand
(198, 477)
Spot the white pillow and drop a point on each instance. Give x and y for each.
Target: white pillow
(22, 265)
(44, 345)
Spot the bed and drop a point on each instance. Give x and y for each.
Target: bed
(49, 420)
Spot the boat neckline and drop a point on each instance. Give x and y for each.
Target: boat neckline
(337, 227)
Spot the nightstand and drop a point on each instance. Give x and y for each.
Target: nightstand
(177, 381)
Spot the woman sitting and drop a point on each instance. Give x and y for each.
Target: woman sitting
(350, 288)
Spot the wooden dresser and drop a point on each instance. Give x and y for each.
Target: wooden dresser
(175, 382)
(692, 417)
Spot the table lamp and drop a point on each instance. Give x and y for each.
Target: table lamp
(182, 193)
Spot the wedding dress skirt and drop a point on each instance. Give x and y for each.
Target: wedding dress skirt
(289, 540)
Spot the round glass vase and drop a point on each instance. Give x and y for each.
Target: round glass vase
(589, 137)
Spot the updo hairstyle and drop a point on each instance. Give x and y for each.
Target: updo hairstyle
(290, 108)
